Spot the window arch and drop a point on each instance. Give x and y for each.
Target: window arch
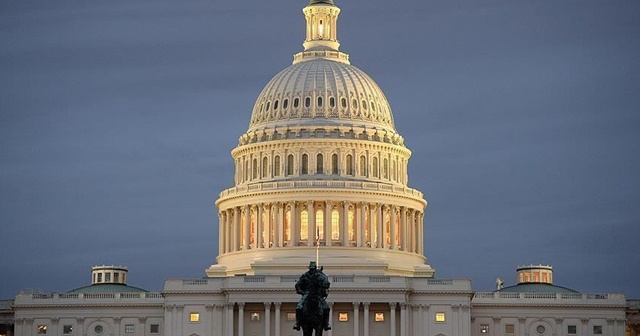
(363, 166)
(290, 165)
(375, 167)
(349, 164)
(276, 166)
(305, 164)
(319, 164)
(334, 164)
(265, 167)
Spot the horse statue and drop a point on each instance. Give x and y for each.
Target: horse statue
(312, 312)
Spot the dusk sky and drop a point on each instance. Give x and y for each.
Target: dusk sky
(117, 119)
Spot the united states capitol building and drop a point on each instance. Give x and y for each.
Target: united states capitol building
(321, 171)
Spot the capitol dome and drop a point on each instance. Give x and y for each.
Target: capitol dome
(321, 173)
(322, 92)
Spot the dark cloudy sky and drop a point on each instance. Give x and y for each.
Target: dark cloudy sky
(117, 118)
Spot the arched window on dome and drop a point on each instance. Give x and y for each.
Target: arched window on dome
(363, 166)
(385, 169)
(349, 164)
(276, 166)
(307, 102)
(334, 164)
(287, 226)
(305, 164)
(320, 226)
(335, 225)
(290, 165)
(268, 105)
(364, 105)
(343, 102)
(304, 225)
(255, 169)
(354, 103)
(375, 167)
(275, 105)
(332, 102)
(319, 101)
(296, 102)
(285, 103)
(319, 164)
(265, 167)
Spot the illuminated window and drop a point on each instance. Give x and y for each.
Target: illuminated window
(484, 328)
(129, 329)
(287, 225)
(343, 317)
(42, 329)
(351, 226)
(320, 224)
(319, 164)
(304, 225)
(545, 277)
(252, 228)
(521, 277)
(255, 317)
(597, 330)
(67, 329)
(291, 316)
(536, 277)
(509, 329)
(276, 166)
(572, 330)
(378, 317)
(335, 225)
(527, 277)
(194, 317)
(334, 164)
(305, 164)
(154, 329)
(441, 317)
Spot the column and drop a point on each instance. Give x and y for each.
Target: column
(277, 225)
(380, 225)
(392, 315)
(356, 318)
(245, 227)
(230, 319)
(330, 332)
(327, 223)
(277, 318)
(393, 227)
(420, 233)
(116, 325)
(267, 319)
(412, 229)
(259, 226)
(403, 229)
(236, 229)
(240, 318)
(403, 319)
(312, 224)
(268, 209)
(426, 319)
(360, 226)
(221, 224)
(217, 318)
(344, 233)
(365, 321)
(497, 328)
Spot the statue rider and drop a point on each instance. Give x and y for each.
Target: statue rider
(313, 282)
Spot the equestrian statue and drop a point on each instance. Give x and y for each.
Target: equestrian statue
(312, 312)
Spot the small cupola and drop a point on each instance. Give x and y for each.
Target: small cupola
(109, 275)
(535, 274)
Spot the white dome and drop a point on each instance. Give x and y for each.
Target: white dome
(322, 92)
